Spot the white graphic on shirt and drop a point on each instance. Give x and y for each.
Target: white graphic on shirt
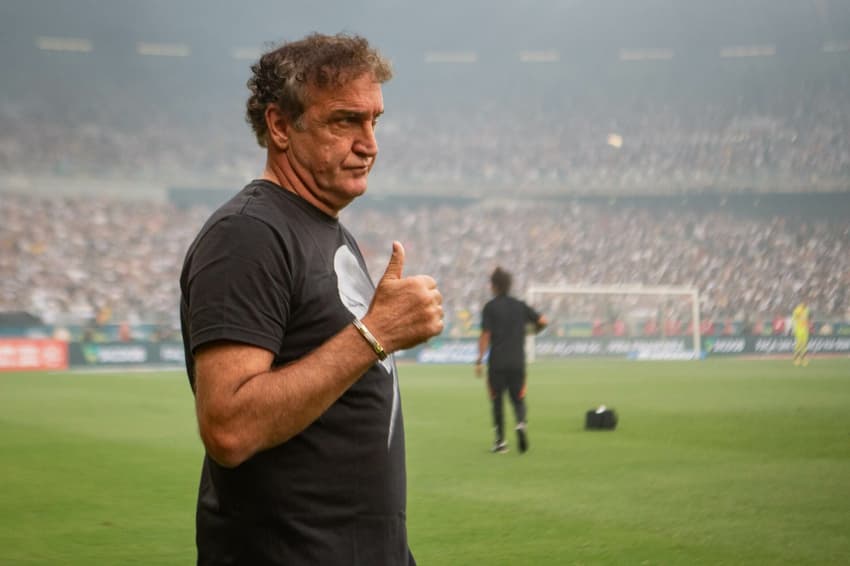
(355, 292)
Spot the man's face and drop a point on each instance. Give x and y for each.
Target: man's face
(333, 148)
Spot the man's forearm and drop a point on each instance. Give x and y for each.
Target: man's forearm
(483, 344)
(239, 417)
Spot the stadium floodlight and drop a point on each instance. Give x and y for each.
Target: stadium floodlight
(72, 44)
(748, 51)
(536, 294)
(840, 46)
(163, 49)
(539, 56)
(246, 53)
(451, 57)
(646, 54)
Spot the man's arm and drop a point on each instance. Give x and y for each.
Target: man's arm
(542, 322)
(244, 406)
(483, 345)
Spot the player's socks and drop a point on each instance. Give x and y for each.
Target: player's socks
(522, 437)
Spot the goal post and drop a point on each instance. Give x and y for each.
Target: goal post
(538, 293)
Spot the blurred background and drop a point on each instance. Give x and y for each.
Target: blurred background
(688, 143)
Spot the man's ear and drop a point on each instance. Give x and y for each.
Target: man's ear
(277, 125)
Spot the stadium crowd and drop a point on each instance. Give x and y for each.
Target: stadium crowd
(69, 258)
(786, 139)
(636, 144)
(76, 259)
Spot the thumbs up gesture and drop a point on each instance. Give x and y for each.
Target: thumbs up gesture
(405, 311)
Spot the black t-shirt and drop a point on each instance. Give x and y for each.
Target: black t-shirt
(270, 270)
(505, 318)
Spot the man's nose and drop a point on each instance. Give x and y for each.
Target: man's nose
(366, 143)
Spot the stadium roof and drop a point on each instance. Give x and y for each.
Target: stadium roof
(411, 28)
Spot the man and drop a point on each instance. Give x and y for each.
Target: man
(800, 323)
(503, 328)
(288, 344)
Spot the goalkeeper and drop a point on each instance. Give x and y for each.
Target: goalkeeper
(800, 323)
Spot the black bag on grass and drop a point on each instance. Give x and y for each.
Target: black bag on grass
(601, 418)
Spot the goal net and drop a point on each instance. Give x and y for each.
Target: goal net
(633, 321)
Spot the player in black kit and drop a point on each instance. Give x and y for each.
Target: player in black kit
(503, 330)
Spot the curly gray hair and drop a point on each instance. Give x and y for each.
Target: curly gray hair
(282, 76)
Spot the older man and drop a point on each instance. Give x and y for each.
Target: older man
(288, 343)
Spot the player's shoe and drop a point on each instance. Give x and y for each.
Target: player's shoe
(522, 437)
(796, 361)
(500, 447)
(805, 362)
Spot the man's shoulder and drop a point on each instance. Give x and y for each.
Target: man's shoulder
(503, 302)
(515, 301)
(251, 216)
(258, 198)
(263, 202)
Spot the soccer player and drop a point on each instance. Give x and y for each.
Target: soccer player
(503, 325)
(800, 322)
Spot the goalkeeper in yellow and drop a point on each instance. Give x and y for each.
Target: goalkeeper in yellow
(800, 324)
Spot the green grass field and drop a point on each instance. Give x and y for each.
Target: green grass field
(714, 462)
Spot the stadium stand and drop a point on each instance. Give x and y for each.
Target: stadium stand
(621, 144)
(122, 263)
(502, 126)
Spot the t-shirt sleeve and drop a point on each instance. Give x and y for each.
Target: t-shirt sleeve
(531, 315)
(239, 285)
(486, 318)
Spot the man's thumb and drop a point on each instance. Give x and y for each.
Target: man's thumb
(396, 264)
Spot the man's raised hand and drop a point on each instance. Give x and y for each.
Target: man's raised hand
(405, 311)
